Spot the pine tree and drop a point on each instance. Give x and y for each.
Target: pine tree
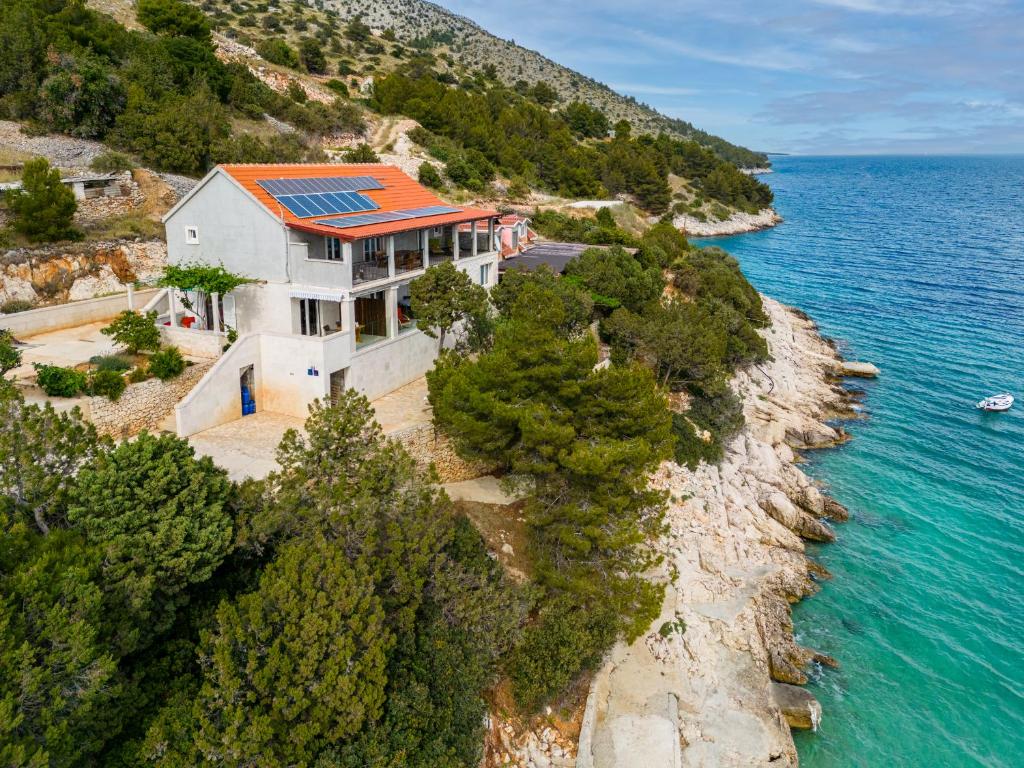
(42, 450)
(43, 208)
(443, 297)
(57, 678)
(295, 666)
(158, 516)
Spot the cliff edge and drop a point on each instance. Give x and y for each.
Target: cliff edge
(713, 682)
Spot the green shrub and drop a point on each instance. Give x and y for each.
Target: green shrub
(107, 383)
(338, 86)
(277, 51)
(138, 373)
(167, 363)
(56, 381)
(518, 189)
(134, 332)
(297, 93)
(429, 177)
(112, 162)
(312, 56)
(362, 154)
(691, 448)
(116, 363)
(173, 18)
(10, 355)
(721, 415)
(11, 306)
(567, 640)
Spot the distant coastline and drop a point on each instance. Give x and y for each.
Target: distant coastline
(738, 223)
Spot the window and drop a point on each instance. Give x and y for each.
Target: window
(485, 273)
(371, 247)
(192, 235)
(333, 245)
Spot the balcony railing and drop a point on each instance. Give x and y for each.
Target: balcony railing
(408, 261)
(368, 271)
(370, 332)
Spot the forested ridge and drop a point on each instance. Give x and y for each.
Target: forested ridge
(162, 94)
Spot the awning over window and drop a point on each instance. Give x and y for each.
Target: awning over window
(323, 294)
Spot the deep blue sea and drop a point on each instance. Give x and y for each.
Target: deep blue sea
(915, 264)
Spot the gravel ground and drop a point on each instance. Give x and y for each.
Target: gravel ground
(181, 185)
(62, 151)
(67, 152)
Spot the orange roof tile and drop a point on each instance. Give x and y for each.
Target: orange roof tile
(400, 193)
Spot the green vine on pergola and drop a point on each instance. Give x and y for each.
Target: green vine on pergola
(201, 278)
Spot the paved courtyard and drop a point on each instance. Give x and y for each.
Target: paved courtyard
(405, 407)
(67, 347)
(247, 447)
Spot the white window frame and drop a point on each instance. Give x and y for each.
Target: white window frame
(192, 235)
(372, 245)
(329, 249)
(485, 273)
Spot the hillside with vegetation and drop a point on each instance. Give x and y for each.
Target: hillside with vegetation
(422, 23)
(181, 87)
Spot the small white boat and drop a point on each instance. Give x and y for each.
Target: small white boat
(1000, 402)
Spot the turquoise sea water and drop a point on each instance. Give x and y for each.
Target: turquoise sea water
(915, 264)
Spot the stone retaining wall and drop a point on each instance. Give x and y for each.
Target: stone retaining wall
(55, 274)
(143, 405)
(428, 446)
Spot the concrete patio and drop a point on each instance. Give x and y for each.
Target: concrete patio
(247, 446)
(67, 347)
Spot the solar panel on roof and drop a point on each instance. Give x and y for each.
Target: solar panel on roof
(281, 187)
(387, 216)
(430, 210)
(305, 206)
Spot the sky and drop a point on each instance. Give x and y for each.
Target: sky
(809, 77)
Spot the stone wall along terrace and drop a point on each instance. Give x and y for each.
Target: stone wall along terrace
(143, 405)
(428, 446)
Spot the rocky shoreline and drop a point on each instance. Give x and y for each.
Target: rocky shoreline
(738, 223)
(716, 679)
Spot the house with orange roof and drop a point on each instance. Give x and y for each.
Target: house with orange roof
(512, 234)
(330, 251)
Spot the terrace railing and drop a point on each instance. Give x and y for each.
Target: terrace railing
(408, 261)
(368, 271)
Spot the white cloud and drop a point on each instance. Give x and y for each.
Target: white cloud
(911, 7)
(777, 59)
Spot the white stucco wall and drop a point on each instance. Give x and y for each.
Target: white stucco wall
(216, 399)
(286, 385)
(72, 314)
(234, 230)
(391, 364)
(264, 307)
(192, 343)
